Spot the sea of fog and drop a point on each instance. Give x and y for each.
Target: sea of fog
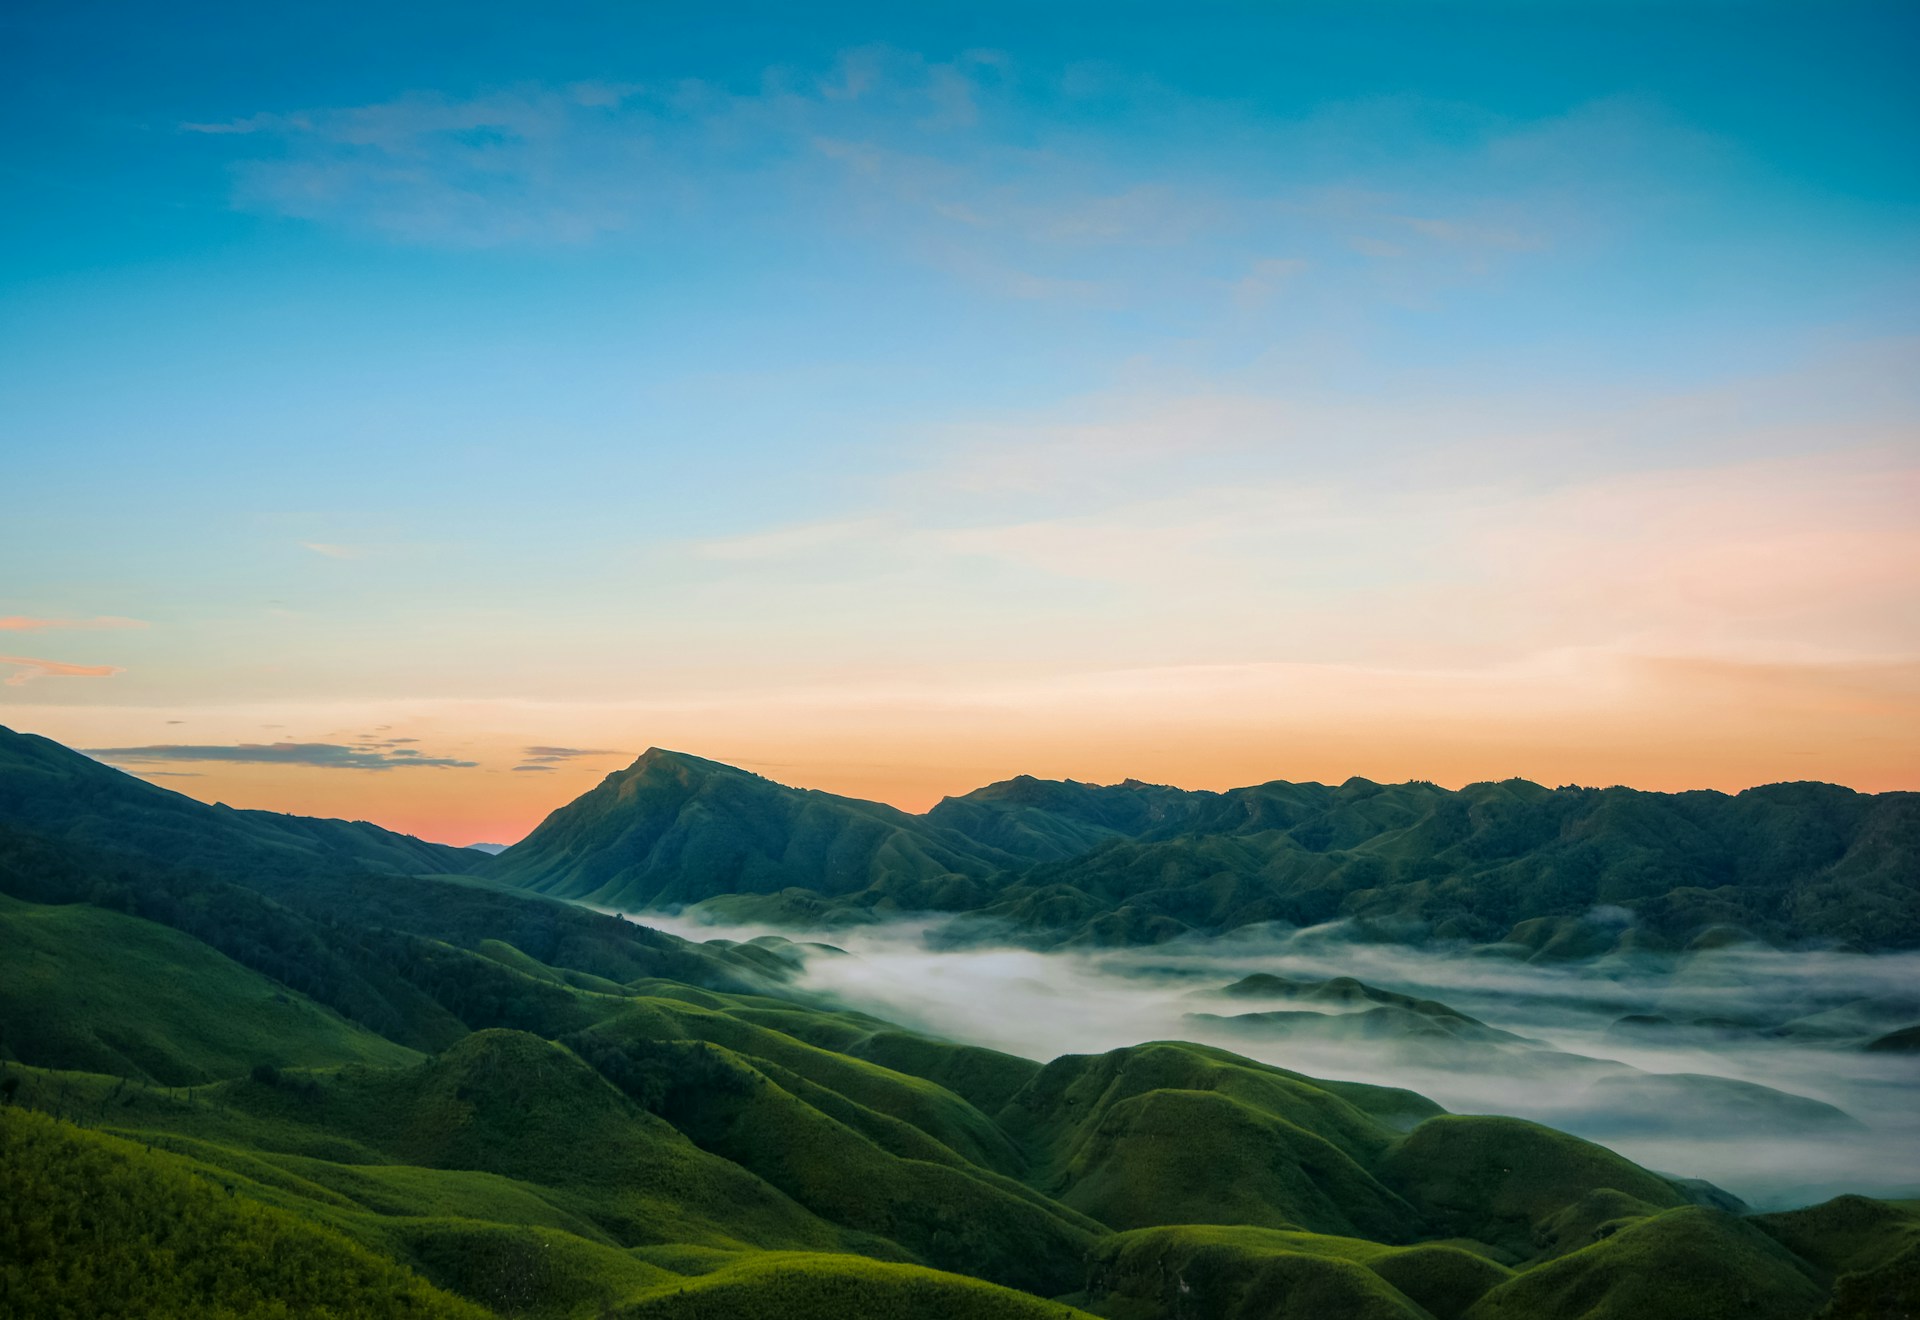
(1802, 1018)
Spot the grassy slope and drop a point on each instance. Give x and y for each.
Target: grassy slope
(60, 793)
(1135, 863)
(1502, 1180)
(1257, 1272)
(97, 1226)
(679, 1135)
(673, 828)
(1175, 1133)
(1695, 1262)
(858, 1145)
(507, 1171)
(809, 1287)
(96, 991)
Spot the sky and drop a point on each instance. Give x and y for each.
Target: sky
(411, 413)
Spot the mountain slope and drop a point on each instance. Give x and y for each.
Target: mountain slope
(642, 1146)
(1560, 873)
(58, 792)
(97, 1226)
(96, 991)
(673, 829)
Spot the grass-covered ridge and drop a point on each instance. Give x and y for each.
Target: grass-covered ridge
(1133, 863)
(100, 1226)
(91, 990)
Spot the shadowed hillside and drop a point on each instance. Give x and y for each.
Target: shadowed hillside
(58, 792)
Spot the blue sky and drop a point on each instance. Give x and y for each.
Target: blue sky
(896, 399)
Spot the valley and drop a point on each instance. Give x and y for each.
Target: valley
(376, 1079)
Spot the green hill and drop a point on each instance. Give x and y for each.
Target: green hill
(94, 991)
(57, 792)
(355, 1092)
(673, 829)
(792, 1286)
(97, 1226)
(1501, 1180)
(1268, 1274)
(1695, 1262)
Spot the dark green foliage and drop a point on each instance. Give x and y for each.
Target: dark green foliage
(1502, 1180)
(1692, 1263)
(859, 1146)
(673, 828)
(595, 1135)
(1177, 1133)
(97, 991)
(1135, 863)
(1871, 1246)
(524, 1271)
(801, 1287)
(1342, 992)
(1209, 1273)
(94, 1226)
(1446, 1280)
(57, 792)
(347, 968)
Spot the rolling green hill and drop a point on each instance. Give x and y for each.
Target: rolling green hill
(90, 990)
(1556, 873)
(97, 1226)
(229, 1092)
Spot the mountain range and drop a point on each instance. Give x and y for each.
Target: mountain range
(1560, 872)
(254, 1065)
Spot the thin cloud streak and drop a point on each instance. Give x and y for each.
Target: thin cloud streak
(22, 623)
(28, 669)
(330, 756)
(568, 753)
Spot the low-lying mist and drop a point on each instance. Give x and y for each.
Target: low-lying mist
(1744, 1066)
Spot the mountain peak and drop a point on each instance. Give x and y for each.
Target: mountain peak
(666, 759)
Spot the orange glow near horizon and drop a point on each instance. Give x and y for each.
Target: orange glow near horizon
(1655, 724)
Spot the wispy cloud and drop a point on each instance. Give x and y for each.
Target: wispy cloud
(332, 551)
(568, 753)
(975, 166)
(22, 623)
(27, 669)
(544, 758)
(332, 756)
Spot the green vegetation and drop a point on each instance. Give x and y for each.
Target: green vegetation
(232, 1092)
(801, 1287)
(1498, 863)
(1502, 1181)
(47, 788)
(1695, 1262)
(95, 991)
(97, 1226)
(673, 828)
(1255, 1272)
